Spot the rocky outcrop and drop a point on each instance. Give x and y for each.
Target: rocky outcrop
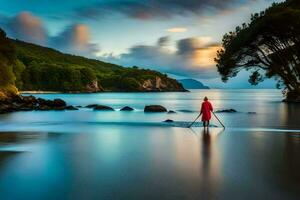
(94, 87)
(160, 85)
(30, 103)
(126, 108)
(154, 85)
(103, 108)
(155, 108)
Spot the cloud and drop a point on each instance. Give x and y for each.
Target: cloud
(198, 52)
(25, 26)
(29, 28)
(145, 10)
(163, 41)
(75, 39)
(177, 30)
(192, 57)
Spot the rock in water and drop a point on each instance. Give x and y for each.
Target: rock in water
(104, 108)
(71, 108)
(168, 121)
(91, 106)
(226, 111)
(171, 112)
(29, 99)
(252, 113)
(127, 108)
(155, 108)
(29, 103)
(59, 103)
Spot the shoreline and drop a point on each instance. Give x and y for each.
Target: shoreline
(40, 92)
(78, 92)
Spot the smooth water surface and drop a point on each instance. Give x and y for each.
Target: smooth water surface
(90, 154)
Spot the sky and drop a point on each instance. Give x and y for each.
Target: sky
(177, 37)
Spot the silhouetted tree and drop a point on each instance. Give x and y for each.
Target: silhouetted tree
(269, 46)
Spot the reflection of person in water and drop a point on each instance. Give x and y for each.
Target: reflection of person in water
(207, 184)
(210, 164)
(206, 140)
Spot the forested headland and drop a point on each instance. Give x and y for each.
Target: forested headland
(32, 67)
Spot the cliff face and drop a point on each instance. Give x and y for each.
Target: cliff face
(160, 85)
(8, 92)
(94, 87)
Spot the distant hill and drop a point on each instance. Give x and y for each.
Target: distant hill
(192, 84)
(46, 69)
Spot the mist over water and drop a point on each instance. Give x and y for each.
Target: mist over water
(90, 154)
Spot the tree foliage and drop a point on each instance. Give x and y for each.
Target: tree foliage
(41, 68)
(7, 60)
(269, 46)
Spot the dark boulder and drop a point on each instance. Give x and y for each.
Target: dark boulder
(59, 103)
(104, 108)
(6, 108)
(155, 108)
(29, 103)
(91, 106)
(71, 108)
(171, 112)
(127, 108)
(41, 101)
(226, 111)
(168, 121)
(252, 113)
(59, 108)
(29, 99)
(43, 108)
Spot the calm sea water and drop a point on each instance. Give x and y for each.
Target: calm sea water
(90, 154)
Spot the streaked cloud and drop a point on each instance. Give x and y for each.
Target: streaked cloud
(75, 39)
(25, 26)
(146, 10)
(29, 28)
(192, 57)
(164, 41)
(177, 30)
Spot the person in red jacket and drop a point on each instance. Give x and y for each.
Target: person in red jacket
(206, 110)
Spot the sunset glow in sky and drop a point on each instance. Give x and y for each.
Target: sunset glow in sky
(173, 36)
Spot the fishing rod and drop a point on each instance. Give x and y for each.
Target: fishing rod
(189, 126)
(218, 120)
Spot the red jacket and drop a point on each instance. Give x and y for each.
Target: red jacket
(206, 110)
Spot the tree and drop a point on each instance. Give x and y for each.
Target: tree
(7, 59)
(269, 46)
(88, 75)
(130, 84)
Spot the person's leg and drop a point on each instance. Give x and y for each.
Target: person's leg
(207, 124)
(204, 124)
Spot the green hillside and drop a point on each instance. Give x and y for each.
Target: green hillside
(41, 68)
